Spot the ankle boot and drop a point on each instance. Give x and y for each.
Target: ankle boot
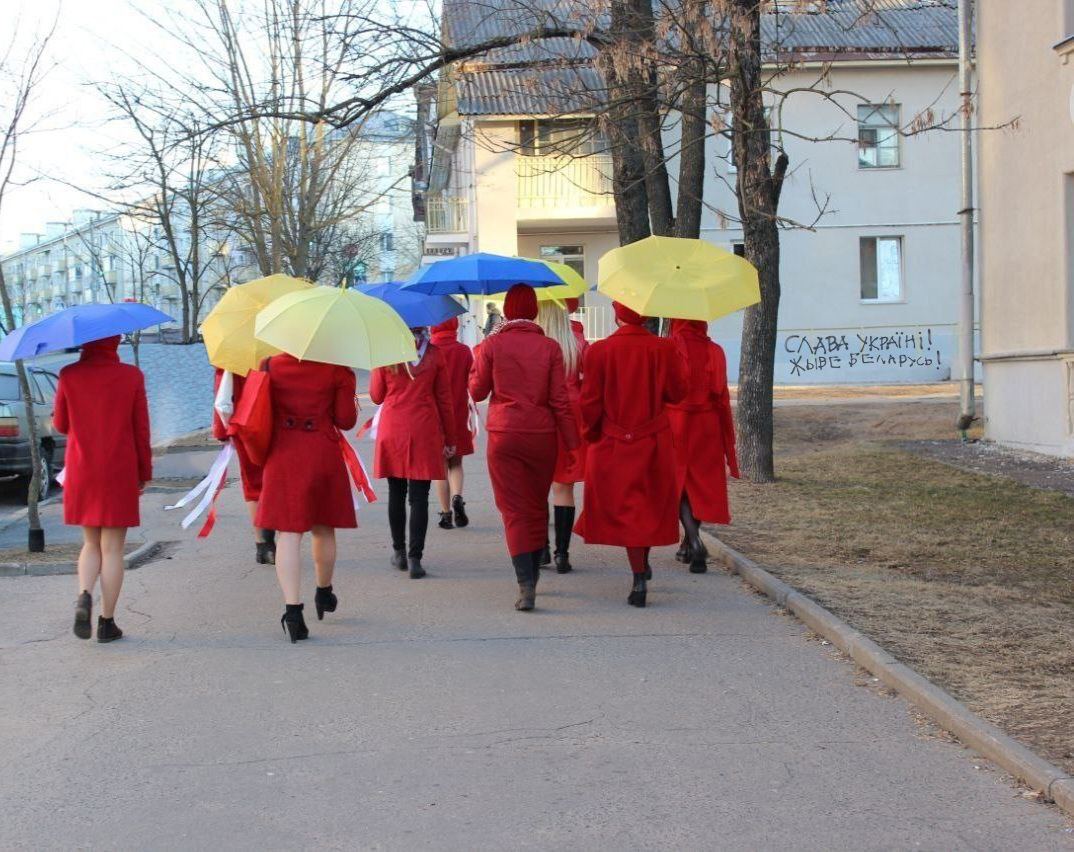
(564, 518)
(325, 600)
(107, 630)
(84, 616)
(294, 623)
(698, 557)
(458, 506)
(683, 553)
(416, 571)
(399, 558)
(445, 521)
(526, 574)
(637, 591)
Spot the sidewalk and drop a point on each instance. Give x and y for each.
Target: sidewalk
(429, 714)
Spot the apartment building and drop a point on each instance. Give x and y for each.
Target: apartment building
(870, 282)
(1026, 72)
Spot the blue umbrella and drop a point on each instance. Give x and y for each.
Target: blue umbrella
(416, 309)
(480, 274)
(75, 326)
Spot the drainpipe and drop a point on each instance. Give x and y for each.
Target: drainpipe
(968, 412)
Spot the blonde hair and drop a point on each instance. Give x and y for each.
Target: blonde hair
(555, 322)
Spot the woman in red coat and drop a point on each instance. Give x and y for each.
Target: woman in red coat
(305, 485)
(631, 487)
(249, 473)
(458, 359)
(570, 464)
(415, 435)
(524, 373)
(101, 407)
(704, 431)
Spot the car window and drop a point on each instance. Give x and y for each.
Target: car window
(9, 387)
(47, 385)
(35, 387)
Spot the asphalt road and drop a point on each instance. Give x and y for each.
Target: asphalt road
(430, 715)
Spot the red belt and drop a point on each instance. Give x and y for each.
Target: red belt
(643, 430)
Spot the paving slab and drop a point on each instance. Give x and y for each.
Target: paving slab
(430, 715)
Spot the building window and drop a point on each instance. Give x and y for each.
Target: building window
(575, 137)
(572, 256)
(387, 241)
(878, 136)
(739, 249)
(881, 269)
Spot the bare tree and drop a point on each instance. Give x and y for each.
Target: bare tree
(23, 66)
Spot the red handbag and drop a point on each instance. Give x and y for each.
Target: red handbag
(251, 424)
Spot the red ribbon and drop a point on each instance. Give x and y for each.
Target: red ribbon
(354, 465)
(365, 427)
(210, 519)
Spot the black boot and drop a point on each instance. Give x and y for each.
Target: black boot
(416, 571)
(84, 616)
(266, 553)
(445, 521)
(294, 622)
(637, 591)
(526, 573)
(564, 517)
(107, 630)
(698, 558)
(544, 556)
(683, 553)
(325, 600)
(458, 506)
(399, 558)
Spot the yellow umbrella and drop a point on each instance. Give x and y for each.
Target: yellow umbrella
(229, 328)
(573, 287)
(678, 278)
(336, 326)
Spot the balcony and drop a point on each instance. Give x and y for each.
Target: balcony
(567, 185)
(447, 214)
(44, 270)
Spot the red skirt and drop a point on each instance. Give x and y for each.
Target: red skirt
(521, 465)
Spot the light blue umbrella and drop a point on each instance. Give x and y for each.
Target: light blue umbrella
(416, 309)
(480, 274)
(75, 326)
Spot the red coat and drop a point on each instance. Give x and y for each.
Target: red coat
(101, 407)
(305, 481)
(458, 359)
(417, 420)
(703, 425)
(570, 464)
(579, 335)
(249, 473)
(523, 372)
(631, 488)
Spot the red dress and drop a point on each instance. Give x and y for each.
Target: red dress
(458, 359)
(305, 481)
(631, 488)
(416, 418)
(702, 424)
(523, 371)
(249, 473)
(101, 407)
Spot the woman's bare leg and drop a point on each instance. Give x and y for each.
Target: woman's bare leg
(443, 491)
(113, 540)
(289, 566)
(324, 554)
(455, 477)
(89, 560)
(259, 536)
(562, 494)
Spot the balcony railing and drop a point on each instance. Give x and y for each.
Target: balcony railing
(446, 214)
(549, 182)
(597, 322)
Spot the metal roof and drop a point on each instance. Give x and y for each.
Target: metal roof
(553, 76)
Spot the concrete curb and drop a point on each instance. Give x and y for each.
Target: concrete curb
(983, 737)
(132, 560)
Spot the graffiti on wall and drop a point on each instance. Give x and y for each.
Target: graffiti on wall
(829, 354)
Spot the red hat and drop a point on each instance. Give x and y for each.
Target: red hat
(682, 327)
(521, 303)
(104, 344)
(626, 316)
(448, 326)
(572, 305)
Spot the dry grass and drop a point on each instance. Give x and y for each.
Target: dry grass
(963, 576)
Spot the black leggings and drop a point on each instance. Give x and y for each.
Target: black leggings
(418, 491)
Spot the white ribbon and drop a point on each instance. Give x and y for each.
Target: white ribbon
(206, 488)
(223, 401)
(61, 477)
(372, 433)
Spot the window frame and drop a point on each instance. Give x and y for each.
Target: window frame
(901, 298)
(896, 134)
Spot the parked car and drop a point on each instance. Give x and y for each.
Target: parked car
(15, 460)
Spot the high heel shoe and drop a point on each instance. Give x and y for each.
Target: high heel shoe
(294, 623)
(458, 506)
(637, 591)
(445, 521)
(325, 601)
(84, 616)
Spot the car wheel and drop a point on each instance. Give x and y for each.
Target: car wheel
(47, 475)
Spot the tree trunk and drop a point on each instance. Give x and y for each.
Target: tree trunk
(758, 196)
(36, 540)
(692, 156)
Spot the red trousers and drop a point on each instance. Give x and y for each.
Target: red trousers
(521, 465)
